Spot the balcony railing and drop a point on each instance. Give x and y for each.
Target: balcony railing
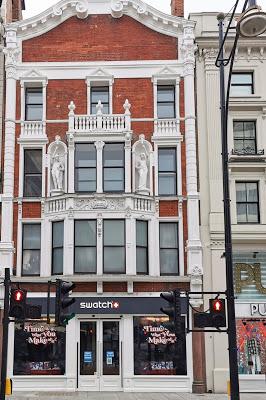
(247, 151)
(113, 123)
(166, 127)
(33, 130)
(127, 203)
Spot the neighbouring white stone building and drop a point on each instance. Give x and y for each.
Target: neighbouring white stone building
(247, 168)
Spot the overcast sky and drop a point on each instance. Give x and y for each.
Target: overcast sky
(34, 7)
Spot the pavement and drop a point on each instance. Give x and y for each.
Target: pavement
(127, 396)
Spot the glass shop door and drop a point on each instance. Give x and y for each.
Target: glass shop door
(100, 356)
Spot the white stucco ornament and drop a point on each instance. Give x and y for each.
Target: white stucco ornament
(117, 9)
(82, 9)
(142, 151)
(57, 154)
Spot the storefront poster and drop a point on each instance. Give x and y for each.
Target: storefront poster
(39, 349)
(251, 338)
(157, 351)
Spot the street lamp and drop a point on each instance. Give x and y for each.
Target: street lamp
(252, 22)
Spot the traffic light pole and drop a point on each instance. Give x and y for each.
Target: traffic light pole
(5, 335)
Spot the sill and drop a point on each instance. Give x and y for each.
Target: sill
(247, 223)
(103, 278)
(244, 97)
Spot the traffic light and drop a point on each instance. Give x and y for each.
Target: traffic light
(63, 301)
(17, 307)
(214, 318)
(173, 311)
(217, 312)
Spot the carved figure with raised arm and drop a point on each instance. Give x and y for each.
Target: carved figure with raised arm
(57, 171)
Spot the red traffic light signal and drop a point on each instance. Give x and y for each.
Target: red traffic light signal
(217, 313)
(18, 295)
(17, 307)
(217, 305)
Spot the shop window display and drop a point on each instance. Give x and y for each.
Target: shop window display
(251, 338)
(157, 351)
(39, 349)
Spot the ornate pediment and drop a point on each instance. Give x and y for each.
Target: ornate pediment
(64, 9)
(32, 76)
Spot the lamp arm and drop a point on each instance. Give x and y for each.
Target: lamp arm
(219, 59)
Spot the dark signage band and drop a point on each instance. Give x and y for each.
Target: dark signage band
(111, 305)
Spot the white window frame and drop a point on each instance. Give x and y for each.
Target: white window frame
(168, 143)
(33, 82)
(170, 80)
(249, 177)
(99, 143)
(247, 116)
(21, 222)
(31, 146)
(102, 79)
(181, 261)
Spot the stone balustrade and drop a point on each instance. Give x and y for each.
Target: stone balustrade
(166, 127)
(125, 203)
(100, 122)
(33, 129)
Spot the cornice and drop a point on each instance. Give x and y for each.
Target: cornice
(64, 9)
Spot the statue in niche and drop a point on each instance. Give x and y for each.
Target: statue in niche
(57, 171)
(142, 168)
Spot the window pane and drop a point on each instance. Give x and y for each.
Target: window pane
(166, 110)
(253, 213)
(142, 265)
(250, 146)
(86, 186)
(142, 233)
(169, 261)
(249, 129)
(113, 186)
(114, 233)
(85, 260)
(31, 236)
(241, 194)
(114, 260)
(58, 234)
(240, 90)
(85, 155)
(34, 112)
(113, 155)
(85, 233)
(238, 129)
(167, 160)
(100, 93)
(166, 94)
(245, 78)
(105, 109)
(86, 174)
(58, 261)
(113, 179)
(32, 185)
(33, 161)
(168, 235)
(241, 213)
(239, 145)
(252, 191)
(167, 184)
(34, 96)
(31, 262)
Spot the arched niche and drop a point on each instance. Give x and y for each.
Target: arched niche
(57, 167)
(142, 154)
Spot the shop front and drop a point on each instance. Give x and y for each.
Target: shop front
(112, 344)
(250, 290)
